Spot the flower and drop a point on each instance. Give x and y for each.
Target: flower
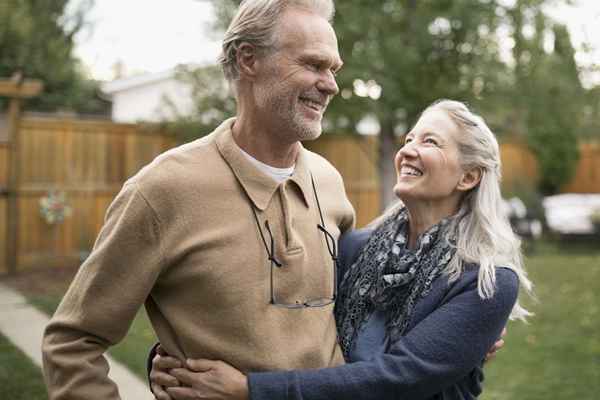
(54, 208)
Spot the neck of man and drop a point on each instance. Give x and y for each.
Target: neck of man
(262, 141)
(422, 215)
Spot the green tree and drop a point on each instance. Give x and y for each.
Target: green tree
(417, 52)
(591, 114)
(548, 96)
(400, 55)
(211, 98)
(37, 38)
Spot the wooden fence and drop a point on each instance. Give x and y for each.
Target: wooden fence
(587, 175)
(90, 160)
(356, 159)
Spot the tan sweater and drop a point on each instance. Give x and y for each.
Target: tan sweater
(181, 238)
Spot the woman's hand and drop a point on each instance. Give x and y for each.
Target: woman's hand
(160, 379)
(206, 379)
(497, 346)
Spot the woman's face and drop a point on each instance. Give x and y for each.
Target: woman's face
(427, 166)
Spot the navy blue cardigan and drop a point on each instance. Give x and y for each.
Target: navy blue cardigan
(439, 357)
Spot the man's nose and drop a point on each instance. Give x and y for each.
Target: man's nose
(327, 83)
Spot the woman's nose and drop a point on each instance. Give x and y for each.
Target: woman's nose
(408, 150)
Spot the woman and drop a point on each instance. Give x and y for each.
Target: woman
(426, 289)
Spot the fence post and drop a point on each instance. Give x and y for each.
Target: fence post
(16, 89)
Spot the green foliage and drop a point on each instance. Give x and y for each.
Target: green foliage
(212, 100)
(419, 51)
(590, 126)
(37, 38)
(550, 95)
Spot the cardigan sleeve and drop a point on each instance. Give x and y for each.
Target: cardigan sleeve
(102, 300)
(436, 353)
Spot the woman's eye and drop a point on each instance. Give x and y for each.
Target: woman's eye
(431, 141)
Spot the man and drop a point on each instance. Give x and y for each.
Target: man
(228, 240)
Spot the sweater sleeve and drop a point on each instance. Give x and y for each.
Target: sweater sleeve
(437, 352)
(102, 300)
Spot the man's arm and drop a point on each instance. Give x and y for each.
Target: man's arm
(103, 299)
(436, 353)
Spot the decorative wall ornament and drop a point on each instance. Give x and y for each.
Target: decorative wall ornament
(54, 207)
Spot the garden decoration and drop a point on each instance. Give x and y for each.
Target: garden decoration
(54, 207)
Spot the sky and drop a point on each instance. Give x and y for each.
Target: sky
(146, 36)
(155, 35)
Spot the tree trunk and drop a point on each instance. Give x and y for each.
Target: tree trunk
(387, 172)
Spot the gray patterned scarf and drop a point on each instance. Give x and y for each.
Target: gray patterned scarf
(388, 276)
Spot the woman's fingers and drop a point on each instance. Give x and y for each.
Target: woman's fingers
(161, 366)
(163, 378)
(182, 393)
(201, 365)
(165, 362)
(159, 392)
(185, 376)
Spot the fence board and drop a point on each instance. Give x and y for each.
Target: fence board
(356, 159)
(3, 165)
(519, 166)
(587, 174)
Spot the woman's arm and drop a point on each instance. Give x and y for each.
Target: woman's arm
(436, 353)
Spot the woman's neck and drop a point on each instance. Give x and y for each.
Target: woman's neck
(422, 216)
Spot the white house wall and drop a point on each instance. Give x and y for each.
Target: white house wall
(147, 102)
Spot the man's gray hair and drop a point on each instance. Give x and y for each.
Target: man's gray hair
(255, 23)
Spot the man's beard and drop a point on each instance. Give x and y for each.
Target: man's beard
(291, 120)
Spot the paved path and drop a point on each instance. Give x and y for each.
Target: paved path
(23, 325)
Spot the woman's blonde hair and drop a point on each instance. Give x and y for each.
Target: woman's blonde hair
(483, 233)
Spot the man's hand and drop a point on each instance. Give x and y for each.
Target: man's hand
(497, 346)
(206, 379)
(160, 379)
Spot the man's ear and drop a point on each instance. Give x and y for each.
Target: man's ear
(247, 60)
(470, 179)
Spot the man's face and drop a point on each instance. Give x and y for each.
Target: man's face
(296, 82)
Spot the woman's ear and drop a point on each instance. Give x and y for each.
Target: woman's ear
(470, 179)
(246, 59)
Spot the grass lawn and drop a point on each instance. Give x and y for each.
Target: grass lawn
(555, 356)
(20, 378)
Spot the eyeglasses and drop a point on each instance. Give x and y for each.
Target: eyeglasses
(270, 249)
